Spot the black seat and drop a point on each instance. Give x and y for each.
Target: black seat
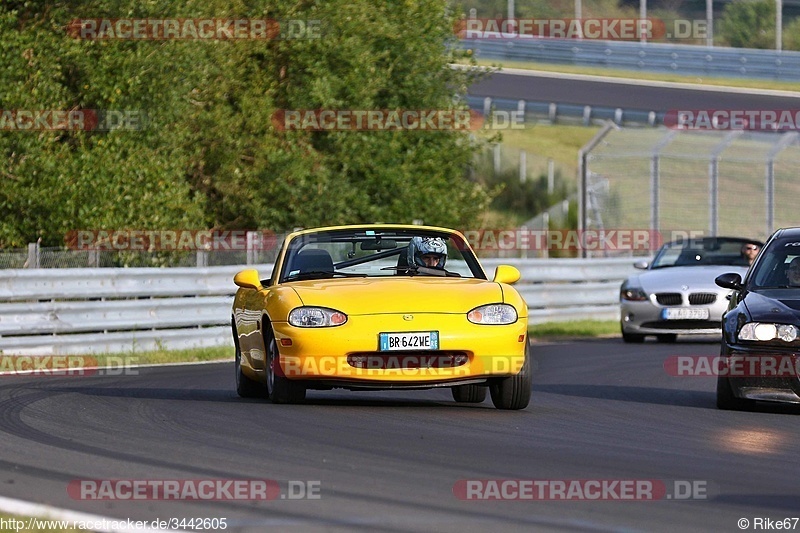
(312, 260)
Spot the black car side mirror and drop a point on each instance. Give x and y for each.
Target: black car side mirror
(731, 280)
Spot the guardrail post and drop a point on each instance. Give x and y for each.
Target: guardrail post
(202, 258)
(252, 251)
(33, 255)
(552, 112)
(587, 115)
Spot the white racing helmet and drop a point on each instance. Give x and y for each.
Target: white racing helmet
(420, 246)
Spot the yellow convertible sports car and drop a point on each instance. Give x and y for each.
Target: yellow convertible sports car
(376, 307)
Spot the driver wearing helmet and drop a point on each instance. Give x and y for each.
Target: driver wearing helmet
(428, 252)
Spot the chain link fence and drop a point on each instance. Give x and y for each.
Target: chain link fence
(678, 182)
(36, 256)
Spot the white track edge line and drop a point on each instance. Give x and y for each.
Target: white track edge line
(47, 512)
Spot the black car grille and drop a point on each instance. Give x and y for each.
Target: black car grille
(702, 298)
(669, 298)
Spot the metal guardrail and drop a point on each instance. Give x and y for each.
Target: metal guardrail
(652, 57)
(572, 113)
(82, 311)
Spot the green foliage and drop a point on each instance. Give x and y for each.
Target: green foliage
(210, 155)
(748, 24)
(522, 199)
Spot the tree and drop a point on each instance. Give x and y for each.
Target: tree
(748, 24)
(210, 155)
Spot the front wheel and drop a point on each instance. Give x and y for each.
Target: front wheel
(513, 392)
(727, 400)
(468, 393)
(280, 389)
(632, 337)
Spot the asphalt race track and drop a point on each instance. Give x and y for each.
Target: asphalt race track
(547, 88)
(389, 461)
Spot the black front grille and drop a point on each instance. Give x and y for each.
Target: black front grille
(669, 298)
(406, 360)
(702, 298)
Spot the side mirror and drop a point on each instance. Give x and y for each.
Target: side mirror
(731, 280)
(506, 274)
(248, 279)
(641, 265)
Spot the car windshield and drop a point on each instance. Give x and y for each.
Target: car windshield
(701, 252)
(371, 253)
(778, 267)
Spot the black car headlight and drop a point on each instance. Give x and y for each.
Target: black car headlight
(493, 314)
(765, 331)
(316, 317)
(633, 294)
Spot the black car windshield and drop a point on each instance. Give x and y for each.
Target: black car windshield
(363, 252)
(778, 266)
(701, 252)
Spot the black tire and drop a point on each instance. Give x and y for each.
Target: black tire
(726, 399)
(513, 392)
(667, 337)
(632, 337)
(280, 389)
(245, 387)
(468, 393)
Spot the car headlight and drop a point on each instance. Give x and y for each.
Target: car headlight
(493, 314)
(316, 317)
(761, 331)
(633, 294)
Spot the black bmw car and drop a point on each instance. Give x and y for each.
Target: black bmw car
(761, 328)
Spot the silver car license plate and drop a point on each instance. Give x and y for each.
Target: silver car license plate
(684, 313)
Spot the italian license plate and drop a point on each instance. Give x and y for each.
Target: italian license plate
(684, 313)
(416, 340)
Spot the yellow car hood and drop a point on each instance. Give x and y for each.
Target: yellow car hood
(365, 296)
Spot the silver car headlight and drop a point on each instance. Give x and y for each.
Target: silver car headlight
(493, 314)
(763, 331)
(633, 294)
(316, 317)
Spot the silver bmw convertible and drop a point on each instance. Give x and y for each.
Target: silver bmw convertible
(676, 294)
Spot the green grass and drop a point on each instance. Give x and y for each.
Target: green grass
(641, 75)
(575, 328)
(162, 356)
